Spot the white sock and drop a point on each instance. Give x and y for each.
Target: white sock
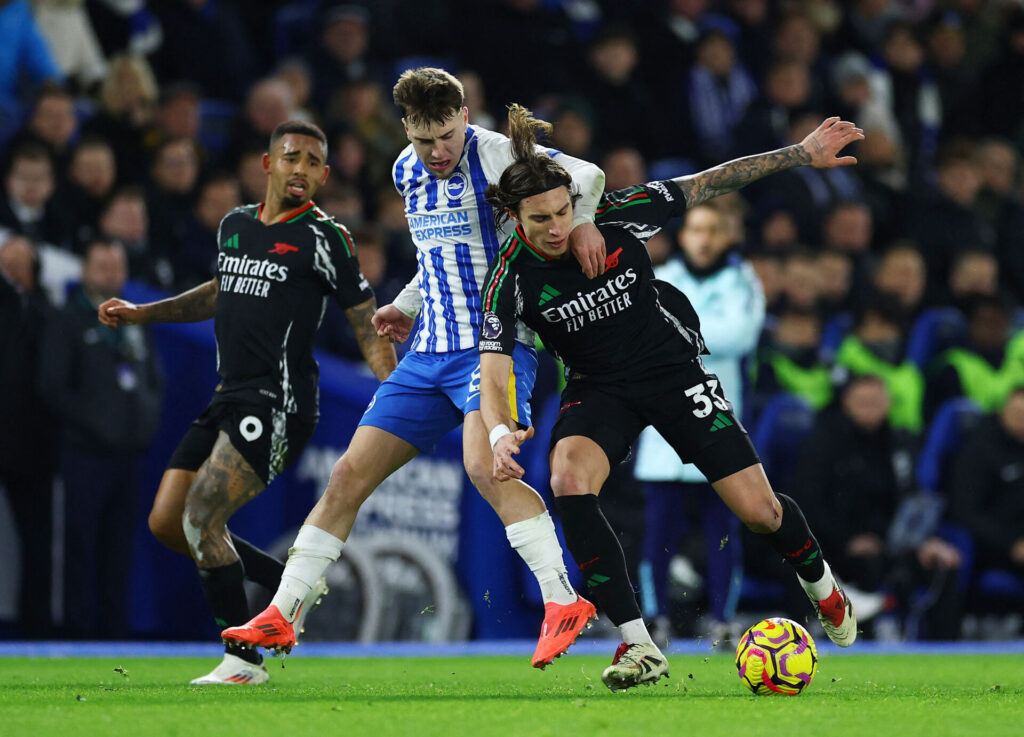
(820, 589)
(535, 541)
(308, 558)
(635, 631)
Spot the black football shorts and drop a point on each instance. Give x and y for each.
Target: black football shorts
(684, 403)
(268, 439)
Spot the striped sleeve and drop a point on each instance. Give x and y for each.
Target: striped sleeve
(498, 331)
(336, 263)
(654, 204)
(587, 179)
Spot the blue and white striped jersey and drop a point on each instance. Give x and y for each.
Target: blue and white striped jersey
(453, 228)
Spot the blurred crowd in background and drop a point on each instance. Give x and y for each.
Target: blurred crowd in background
(882, 379)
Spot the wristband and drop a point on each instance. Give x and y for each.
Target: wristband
(497, 434)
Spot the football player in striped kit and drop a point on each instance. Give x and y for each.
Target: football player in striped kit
(442, 176)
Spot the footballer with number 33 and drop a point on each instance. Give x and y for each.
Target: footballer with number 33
(631, 346)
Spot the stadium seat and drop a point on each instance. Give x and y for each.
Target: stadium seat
(670, 168)
(778, 435)
(999, 583)
(944, 434)
(1018, 319)
(935, 330)
(216, 118)
(833, 333)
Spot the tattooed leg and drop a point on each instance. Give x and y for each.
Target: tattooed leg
(224, 484)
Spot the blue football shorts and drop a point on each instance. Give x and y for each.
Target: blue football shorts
(429, 394)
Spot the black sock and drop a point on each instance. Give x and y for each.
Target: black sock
(599, 556)
(258, 565)
(794, 541)
(226, 596)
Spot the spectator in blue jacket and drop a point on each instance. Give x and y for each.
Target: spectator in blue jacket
(24, 55)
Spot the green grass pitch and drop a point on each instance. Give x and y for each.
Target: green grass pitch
(874, 695)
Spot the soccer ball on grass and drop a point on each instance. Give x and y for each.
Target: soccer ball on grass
(776, 656)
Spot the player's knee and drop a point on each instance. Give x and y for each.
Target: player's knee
(566, 482)
(346, 484)
(167, 529)
(760, 516)
(481, 472)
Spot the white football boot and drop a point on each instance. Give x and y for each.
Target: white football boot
(635, 664)
(836, 616)
(233, 671)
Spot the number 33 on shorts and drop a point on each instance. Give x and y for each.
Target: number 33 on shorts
(699, 393)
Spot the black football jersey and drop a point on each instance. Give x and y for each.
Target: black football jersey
(274, 282)
(613, 327)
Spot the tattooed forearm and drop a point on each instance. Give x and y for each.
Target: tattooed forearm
(198, 303)
(378, 352)
(733, 175)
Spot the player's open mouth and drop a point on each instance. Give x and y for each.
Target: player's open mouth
(439, 165)
(297, 188)
(557, 244)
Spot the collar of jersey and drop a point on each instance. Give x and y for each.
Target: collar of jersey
(293, 215)
(520, 236)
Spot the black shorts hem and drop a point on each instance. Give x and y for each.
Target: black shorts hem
(268, 439)
(726, 457)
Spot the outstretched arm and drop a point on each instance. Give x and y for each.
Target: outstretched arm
(819, 149)
(195, 305)
(377, 350)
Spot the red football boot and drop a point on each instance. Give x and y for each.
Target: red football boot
(562, 625)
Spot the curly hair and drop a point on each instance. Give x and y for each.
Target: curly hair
(531, 172)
